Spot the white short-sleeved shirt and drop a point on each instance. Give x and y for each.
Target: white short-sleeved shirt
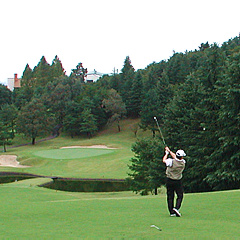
(169, 161)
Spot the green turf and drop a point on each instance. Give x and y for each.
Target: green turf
(46, 158)
(71, 153)
(30, 212)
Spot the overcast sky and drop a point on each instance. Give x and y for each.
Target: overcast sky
(101, 33)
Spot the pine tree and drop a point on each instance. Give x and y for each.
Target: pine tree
(56, 99)
(135, 97)
(153, 75)
(4, 135)
(127, 74)
(225, 162)
(126, 81)
(57, 68)
(88, 124)
(177, 68)
(5, 95)
(8, 115)
(187, 126)
(42, 73)
(150, 108)
(147, 172)
(27, 77)
(72, 120)
(79, 73)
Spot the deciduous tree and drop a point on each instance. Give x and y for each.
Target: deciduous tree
(34, 120)
(115, 106)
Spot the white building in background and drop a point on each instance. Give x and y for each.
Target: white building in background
(14, 82)
(93, 76)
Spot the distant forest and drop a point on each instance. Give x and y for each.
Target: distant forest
(195, 96)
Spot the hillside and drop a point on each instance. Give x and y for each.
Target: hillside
(47, 158)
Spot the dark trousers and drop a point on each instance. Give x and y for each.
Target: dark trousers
(172, 187)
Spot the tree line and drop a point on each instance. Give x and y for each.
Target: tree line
(194, 95)
(199, 108)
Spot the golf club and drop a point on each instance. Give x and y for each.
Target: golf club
(160, 131)
(153, 226)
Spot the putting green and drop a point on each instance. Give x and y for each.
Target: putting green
(72, 153)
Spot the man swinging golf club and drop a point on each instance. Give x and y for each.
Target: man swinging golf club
(175, 166)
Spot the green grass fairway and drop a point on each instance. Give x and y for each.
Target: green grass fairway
(30, 212)
(72, 153)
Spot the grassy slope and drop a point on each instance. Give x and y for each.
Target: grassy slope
(30, 212)
(112, 165)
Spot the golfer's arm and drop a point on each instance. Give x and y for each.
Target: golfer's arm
(173, 155)
(165, 157)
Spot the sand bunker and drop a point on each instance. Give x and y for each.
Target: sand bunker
(10, 161)
(92, 146)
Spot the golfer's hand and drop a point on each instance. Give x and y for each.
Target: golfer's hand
(167, 149)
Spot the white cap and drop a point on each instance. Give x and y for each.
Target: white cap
(180, 153)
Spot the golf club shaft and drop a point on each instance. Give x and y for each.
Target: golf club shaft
(160, 131)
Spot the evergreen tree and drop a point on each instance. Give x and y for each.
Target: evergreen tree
(22, 96)
(191, 119)
(72, 121)
(177, 68)
(225, 160)
(147, 172)
(42, 73)
(150, 108)
(5, 135)
(115, 82)
(230, 46)
(127, 75)
(211, 65)
(126, 80)
(79, 73)
(27, 77)
(153, 75)
(57, 68)
(135, 97)
(5, 95)
(8, 115)
(56, 99)
(88, 124)
(91, 98)
(204, 46)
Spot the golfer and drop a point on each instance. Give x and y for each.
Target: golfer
(175, 166)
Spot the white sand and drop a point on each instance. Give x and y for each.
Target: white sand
(92, 146)
(10, 161)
